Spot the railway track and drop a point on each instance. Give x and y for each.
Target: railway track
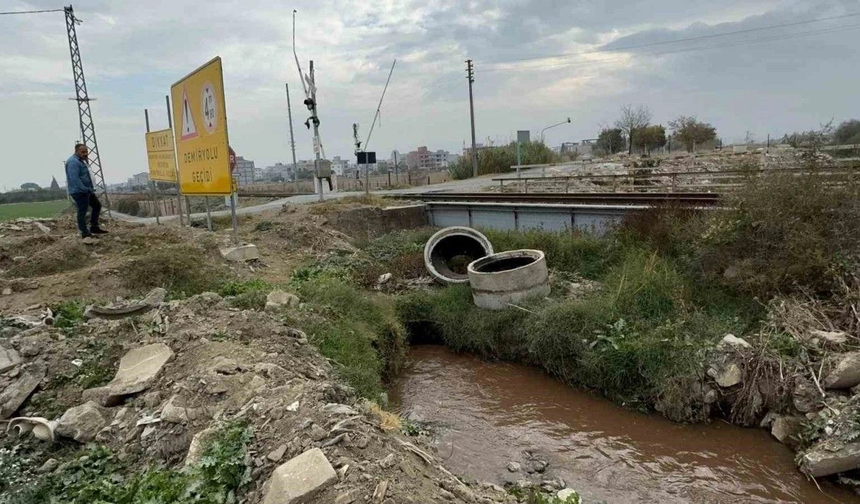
(684, 199)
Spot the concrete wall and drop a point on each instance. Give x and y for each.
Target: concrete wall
(370, 223)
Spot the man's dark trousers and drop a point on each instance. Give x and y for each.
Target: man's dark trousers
(82, 201)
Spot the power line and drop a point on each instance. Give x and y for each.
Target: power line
(682, 50)
(687, 39)
(30, 12)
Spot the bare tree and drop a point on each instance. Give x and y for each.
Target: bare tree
(633, 119)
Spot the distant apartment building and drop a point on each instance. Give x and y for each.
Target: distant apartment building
(278, 172)
(425, 159)
(339, 166)
(244, 171)
(139, 180)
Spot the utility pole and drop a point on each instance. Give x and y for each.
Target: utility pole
(85, 116)
(178, 185)
(396, 176)
(292, 140)
(312, 105)
(470, 74)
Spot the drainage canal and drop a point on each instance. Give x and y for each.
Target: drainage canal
(485, 415)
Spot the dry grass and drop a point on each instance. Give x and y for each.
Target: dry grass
(337, 205)
(388, 422)
(57, 257)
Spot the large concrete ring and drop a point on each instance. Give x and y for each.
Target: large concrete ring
(448, 252)
(507, 278)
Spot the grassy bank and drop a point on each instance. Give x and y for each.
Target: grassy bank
(12, 211)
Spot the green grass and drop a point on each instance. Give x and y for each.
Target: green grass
(12, 211)
(246, 294)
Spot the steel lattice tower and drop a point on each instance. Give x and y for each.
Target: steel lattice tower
(88, 129)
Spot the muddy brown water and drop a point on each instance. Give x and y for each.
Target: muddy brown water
(487, 414)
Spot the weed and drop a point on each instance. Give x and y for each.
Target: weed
(182, 270)
(264, 226)
(68, 314)
(534, 496)
(247, 294)
(57, 257)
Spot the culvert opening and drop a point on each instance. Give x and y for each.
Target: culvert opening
(423, 332)
(452, 254)
(505, 264)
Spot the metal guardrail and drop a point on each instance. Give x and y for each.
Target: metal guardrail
(593, 198)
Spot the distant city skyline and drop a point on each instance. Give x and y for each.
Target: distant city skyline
(763, 66)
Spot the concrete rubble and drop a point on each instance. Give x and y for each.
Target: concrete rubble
(300, 479)
(137, 370)
(14, 395)
(241, 253)
(845, 373)
(278, 300)
(787, 429)
(726, 375)
(830, 458)
(9, 358)
(82, 423)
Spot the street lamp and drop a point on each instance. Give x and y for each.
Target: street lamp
(553, 126)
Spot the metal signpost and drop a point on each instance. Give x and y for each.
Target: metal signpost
(200, 132)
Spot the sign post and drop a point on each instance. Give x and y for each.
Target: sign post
(200, 132)
(173, 155)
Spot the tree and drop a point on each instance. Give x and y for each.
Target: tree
(650, 138)
(54, 185)
(611, 140)
(632, 119)
(692, 132)
(30, 186)
(848, 132)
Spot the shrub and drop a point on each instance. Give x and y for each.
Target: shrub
(246, 294)
(501, 159)
(183, 270)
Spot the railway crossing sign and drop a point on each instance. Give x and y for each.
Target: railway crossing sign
(199, 113)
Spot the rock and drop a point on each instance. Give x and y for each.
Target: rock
(379, 492)
(729, 376)
(318, 433)
(829, 458)
(845, 374)
(277, 454)
(536, 466)
(384, 279)
(829, 337)
(48, 466)
(552, 485)
(137, 370)
(461, 491)
(171, 413)
(566, 493)
(198, 442)
(732, 341)
(43, 228)
(806, 397)
(711, 396)
(14, 395)
(388, 462)
(300, 479)
(81, 423)
(278, 299)
(33, 345)
(241, 253)
(345, 498)
(514, 467)
(9, 358)
(293, 407)
(7, 291)
(787, 430)
(339, 409)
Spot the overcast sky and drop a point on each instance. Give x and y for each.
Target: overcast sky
(537, 62)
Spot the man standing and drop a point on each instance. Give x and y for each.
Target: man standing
(80, 186)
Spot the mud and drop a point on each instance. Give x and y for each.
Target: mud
(484, 415)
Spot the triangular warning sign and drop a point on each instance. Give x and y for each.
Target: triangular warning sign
(187, 128)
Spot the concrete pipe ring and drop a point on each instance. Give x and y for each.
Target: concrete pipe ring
(507, 278)
(448, 253)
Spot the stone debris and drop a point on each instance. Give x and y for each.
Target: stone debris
(787, 429)
(43, 228)
(9, 358)
(124, 309)
(566, 493)
(82, 423)
(339, 409)
(277, 454)
(298, 480)
(7, 291)
(727, 375)
(514, 467)
(137, 370)
(48, 466)
(278, 299)
(241, 253)
(14, 395)
(732, 341)
(829, 337)
(829, 458)
(379, 492)
(384, 279)
(198, 444)
(845, 374)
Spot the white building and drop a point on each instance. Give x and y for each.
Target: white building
(244, 171)
(139, 180)
(278, 171)
(339, 166)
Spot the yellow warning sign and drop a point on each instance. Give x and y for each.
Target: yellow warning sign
(162, 161)
(200, 130)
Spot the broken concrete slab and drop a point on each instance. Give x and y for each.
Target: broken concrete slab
(727, 375)
(846, 372)
(82, 423)
(298, 480)
(137, 370)
(829, 337)
(278, 299)
(829, 458)
(787, 430)
(9, 358)
(15, 394)
(241, 253)
(152, 300)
